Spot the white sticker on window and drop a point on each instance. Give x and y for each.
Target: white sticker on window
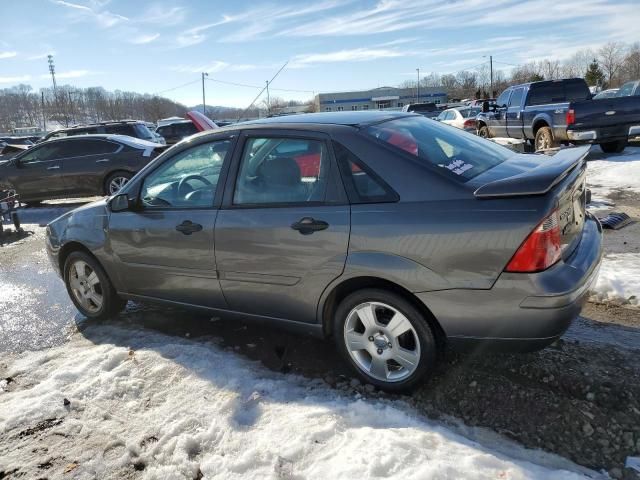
(458, 167)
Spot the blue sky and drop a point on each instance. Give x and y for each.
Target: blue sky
(153, 46)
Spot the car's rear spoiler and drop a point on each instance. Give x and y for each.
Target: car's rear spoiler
(538, 180)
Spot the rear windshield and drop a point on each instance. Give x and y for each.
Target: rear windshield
(458, 154)
(422, 107)
(558, 92)
(469, 112)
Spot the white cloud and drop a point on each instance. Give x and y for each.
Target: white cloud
(69, 74)
(104, 18)
(143, 39)
(163, 16)
(8, 54)
(17, 79)
(353, 55)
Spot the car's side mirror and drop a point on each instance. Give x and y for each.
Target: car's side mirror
(121, 203)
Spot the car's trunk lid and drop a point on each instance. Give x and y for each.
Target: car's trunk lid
(563, 174)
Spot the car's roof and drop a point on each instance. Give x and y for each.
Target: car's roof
(352, 118)
(127, 140)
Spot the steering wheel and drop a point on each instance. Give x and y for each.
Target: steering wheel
(185, 182)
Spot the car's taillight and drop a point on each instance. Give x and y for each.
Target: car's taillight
(571, 116)
(541, 249)
(471, 123)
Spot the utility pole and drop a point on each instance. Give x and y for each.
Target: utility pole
(418, 87)
(52, 71)
(71, 108)
(268, 100)
(44, 116)
(491, 75)
(204, 103)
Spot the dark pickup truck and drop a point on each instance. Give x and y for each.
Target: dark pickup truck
(551, 112)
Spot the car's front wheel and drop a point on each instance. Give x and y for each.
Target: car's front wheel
(89, 287)
(386, 340)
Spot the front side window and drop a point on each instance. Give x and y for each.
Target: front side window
(188, 180)
(41, 154)
(282, 170)
(123, 129)
(503, 98)
(459, 155)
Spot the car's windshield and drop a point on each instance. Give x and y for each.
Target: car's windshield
(143, 131)
(458, 154)
(626, 90)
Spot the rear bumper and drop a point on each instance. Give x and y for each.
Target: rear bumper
(521, 312)
(605, 134)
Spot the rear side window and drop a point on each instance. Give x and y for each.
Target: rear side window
(546, 93)
(124, 129)
(185, 128)
(362, 184)
(457, 154)
(93, 147)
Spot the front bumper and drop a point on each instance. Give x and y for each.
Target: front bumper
(521, 312)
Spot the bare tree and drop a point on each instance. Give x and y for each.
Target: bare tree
(611, 58)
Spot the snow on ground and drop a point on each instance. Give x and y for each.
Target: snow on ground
(176, 407)
(619, 279)
(616, 172)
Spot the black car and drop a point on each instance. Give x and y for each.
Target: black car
(76, 166)
(132, 128)
(174, 132)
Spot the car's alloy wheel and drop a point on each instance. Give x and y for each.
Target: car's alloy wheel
(385, 338)
(85, 286)
(382, 342)
(116, 183)
(90, 288)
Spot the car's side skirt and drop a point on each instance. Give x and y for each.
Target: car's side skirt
(312, 329)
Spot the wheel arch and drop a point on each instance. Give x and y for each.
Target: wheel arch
(111, 173)
(70, 247)
(341, 290)
(538, 123)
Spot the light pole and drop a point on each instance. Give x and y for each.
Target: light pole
(418, 87)
(204, 103)
(490, 74)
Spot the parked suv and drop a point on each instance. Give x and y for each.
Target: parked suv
(131, 128)
(388, 231)
(76, 166)
(176, 131)
(551, 112)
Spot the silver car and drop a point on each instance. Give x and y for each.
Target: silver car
(387, 231)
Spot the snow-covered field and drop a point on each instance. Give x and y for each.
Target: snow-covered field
(619, 278)
(178, 408)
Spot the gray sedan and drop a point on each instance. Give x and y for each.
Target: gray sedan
(387, 231)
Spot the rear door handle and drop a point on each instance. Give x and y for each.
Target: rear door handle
(102, 160)
(55, 167)
(188, 227)
(308, 225)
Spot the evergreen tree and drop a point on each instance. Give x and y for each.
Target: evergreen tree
(594, 76)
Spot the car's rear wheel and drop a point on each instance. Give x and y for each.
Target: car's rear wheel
(89, 287)
(484, 132)
(115, 182)
(613, 147)
(544, 139)
(385, 339)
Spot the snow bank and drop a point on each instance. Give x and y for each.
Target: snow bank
(616, 172)
(619, 279)
(175, 407)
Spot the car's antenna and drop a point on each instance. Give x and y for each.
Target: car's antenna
(261, 91)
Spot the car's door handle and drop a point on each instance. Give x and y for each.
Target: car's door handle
(102, 160)
(188, 227)
(55, 167)
(308, 225)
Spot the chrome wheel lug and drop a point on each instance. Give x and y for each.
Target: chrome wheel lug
(380, 351)
(389, 345)
(371, 338)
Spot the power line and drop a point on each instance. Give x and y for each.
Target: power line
(175, 88)
(258, 87)
(265, 87)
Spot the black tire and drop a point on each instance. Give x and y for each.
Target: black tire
(613, 147)
(427, 344)
(111, 304)
(113, 177)
(544, 139)
(484, 132)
